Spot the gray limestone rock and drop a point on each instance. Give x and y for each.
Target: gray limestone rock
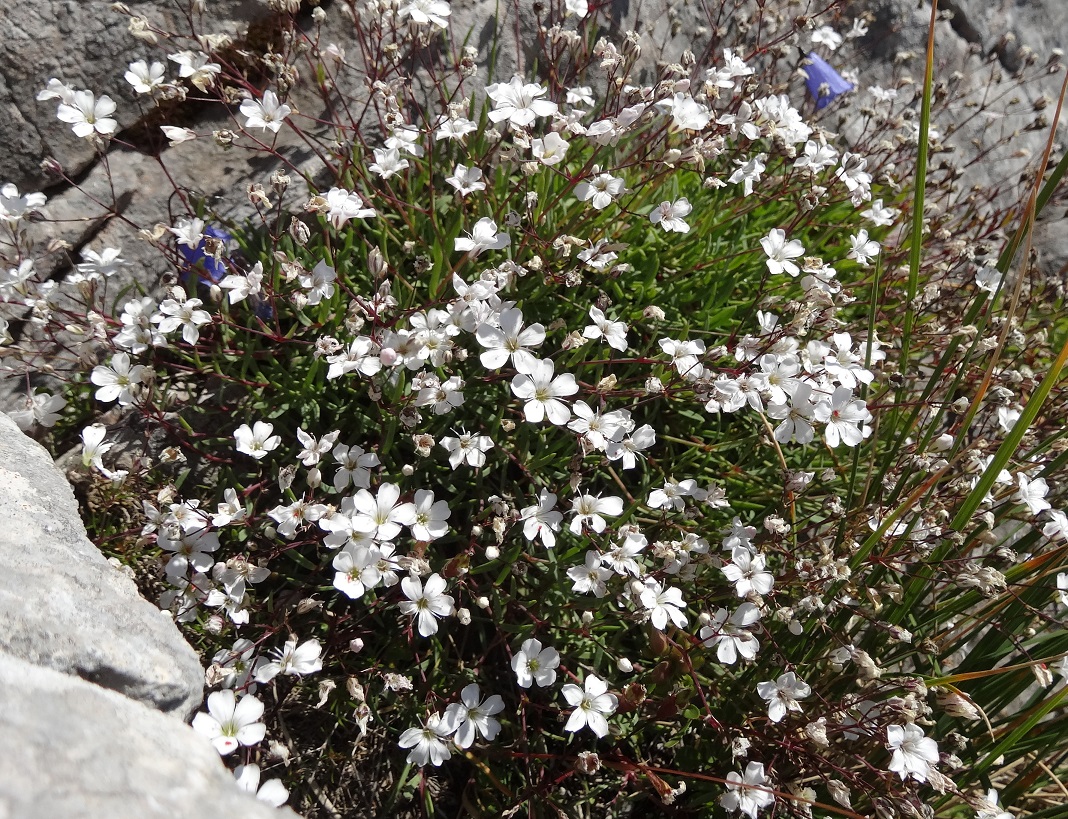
(65, 607)
(77, 751)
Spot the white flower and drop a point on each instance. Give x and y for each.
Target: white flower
(591, 577)
(266, 113)
(1032, 493)
(241, 286)
(780, 252)
(469, 448)
(749, 794)
(550, 150)
(93, 446)
(176, 135)
(466, 180)
(117, 379)
(541, 519)
(580, 8)
(42, 409)
(862, 248)
(343, 205)
(89, 115)
(542, 393)
(535, 664)
(189, 232)
(195, 66)
(509, 341)
(518, 102)
(426, 11)
(319, 284)
(663, 604)
(293, 660)
(879, 215)
(273, 792)
(600, 191)
(1057, 526)
(185, 314)
(473, 716)
(687, 114)
(430, 517)
(357, 570)
(484, 236)
(670, 215)
(229, 722)
(746, 571)
(144, 77)
(991, 810)
(843, 416)
(428, 744)
(988, 278)
(13, 206)
(827, 36)
(257, 441)
(672, 495)
(354, 466)
(783, 695)
(427, 604)
(730, 636)
(380, 514)
(588, 509)
(592, 705)
(914, 754)
(387, 162)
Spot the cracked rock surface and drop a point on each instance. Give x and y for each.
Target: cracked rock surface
(64, 607)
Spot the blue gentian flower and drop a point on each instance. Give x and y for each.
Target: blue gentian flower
(820, 73)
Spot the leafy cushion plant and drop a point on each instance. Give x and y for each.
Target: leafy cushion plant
(592, 452)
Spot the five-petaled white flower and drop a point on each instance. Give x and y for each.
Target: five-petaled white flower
(467, 447)
(535, 663)
(519, 102)
(258, 440)
(592, 705)
(429, 743)
(600, 191)
(589, 509)
(229, 722)
(746, 571)
(117, 379)
(266, 113)
(750, 793)
(426, 603)
(510, 340)
(542, 393)
(613, 332)
(671, 215)
(472, 716)
(862, 248)
(780, 252)
(426, 11)
(484, 236)
(914, 754)
(1031, 493)
(783, 694)
(185, 314)
(466, 180)
(541, 519)
(292, 659)
(88, 114)
(143, 77)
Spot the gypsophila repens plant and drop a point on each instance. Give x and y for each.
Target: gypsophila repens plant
(558, 441)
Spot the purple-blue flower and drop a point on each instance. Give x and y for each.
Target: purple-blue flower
(820, 74)
(199, 256)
